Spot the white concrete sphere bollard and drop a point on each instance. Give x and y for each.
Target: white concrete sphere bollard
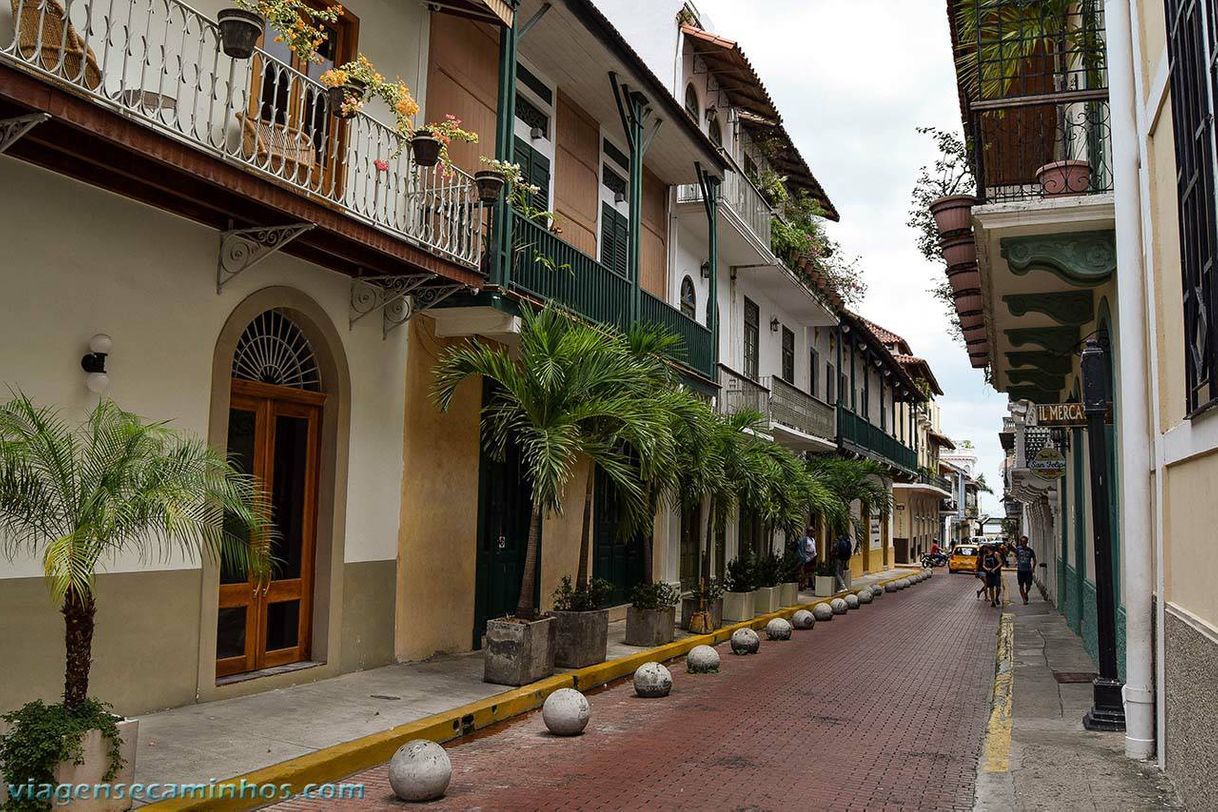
(778, 629)
(866, 595)
(803, 619)
(838, 606)
(652, 680)
(822, 611)
(927, 573)
(566, 712)
(852, 601)
(420, 771)
(702, 660)
(745, 641)
(876, 590)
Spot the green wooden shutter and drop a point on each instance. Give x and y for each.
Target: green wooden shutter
(615, 239)
(536, 170)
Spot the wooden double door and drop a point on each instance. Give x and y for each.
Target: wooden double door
(273, 434)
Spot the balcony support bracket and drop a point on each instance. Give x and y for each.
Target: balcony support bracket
(400, 309)
(243, 248)
(371, 294)
(11, 129)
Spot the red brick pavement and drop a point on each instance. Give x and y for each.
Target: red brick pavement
(884, 707)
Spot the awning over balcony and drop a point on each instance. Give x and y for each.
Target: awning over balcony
(500, 12)
(575, 45)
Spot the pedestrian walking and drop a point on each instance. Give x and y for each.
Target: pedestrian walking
(808, 555)
(844, 552)
(991, 565)
(979, 573)
(1025, 563)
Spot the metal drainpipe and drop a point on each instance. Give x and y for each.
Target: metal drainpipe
(1134, 407)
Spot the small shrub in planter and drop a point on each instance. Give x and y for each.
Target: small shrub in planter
(702, 610)
(651, 616)
(768, 577)
(792, 569)
(738, 599)
(826, 583)
(581, 622)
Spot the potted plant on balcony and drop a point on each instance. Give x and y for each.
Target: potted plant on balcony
(652, 614)
(74, 497)
(430, 142)
(702, 609)
(297, 23)
(499, 174)
(581, 622)
(555, 398)
(768, 577)
(1062, 178)
(738, 599)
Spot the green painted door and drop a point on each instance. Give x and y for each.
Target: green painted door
(505, 505)
(616, 557)
(690, 558)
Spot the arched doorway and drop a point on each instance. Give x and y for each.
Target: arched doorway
(274, 433)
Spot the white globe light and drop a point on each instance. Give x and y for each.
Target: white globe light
(97, 382)
(101, 343)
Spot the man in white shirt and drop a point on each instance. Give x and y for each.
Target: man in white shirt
(808, 555)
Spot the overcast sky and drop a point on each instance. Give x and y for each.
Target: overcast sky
(853, 78)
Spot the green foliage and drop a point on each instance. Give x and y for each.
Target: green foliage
(798, 232)
(708, 590)
(861, 481)
(792, 565)
(40, 736)
(769, 570)
(655, 596)
(571, 597)
(741, 573)
(826, 568)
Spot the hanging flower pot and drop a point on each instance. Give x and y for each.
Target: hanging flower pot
(426, 148)
(968, 301)
(346, 99)
(959, 249)
(239, 31)
(964, 277)
(953, 213)
(979, 356)
(974, 334)
(1064, 178)
(490, 186)
(972, 322)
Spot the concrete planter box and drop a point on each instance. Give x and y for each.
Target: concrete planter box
(95, 750)
(825, 585)
(690, 605)
(737, 606)
(650, 627)
(518, 652)
(788, 593)
(765, 600)
(580, 638)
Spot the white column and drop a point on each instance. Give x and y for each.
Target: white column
(1133, 394)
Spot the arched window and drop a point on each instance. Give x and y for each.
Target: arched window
(691, 102)
(273, 350)
(714, 131)
(689, 299)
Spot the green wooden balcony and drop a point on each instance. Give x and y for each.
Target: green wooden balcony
(858, 434)
(548, 268)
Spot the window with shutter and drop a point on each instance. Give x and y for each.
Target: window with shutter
(615, 237)
(1192, 54)
(752, 339)
(535, 168)
(788, 356)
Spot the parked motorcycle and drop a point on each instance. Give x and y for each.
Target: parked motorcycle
(934, 560)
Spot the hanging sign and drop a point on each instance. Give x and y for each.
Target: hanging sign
(1048, 463)
(1060, 414)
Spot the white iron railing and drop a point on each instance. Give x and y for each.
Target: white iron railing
(738, 192)
(159, 62)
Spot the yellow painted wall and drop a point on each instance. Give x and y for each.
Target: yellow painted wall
(437, 536)
(1190, 516)
(560, 537)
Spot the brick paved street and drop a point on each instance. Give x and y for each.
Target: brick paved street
(883, 708)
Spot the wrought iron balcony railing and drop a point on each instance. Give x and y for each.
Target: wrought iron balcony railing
(570, 277)
(742, 197)
(940, 482)
(736, 393)
(1034, 77)
(796, 409)
(858, 433)
(159, 62)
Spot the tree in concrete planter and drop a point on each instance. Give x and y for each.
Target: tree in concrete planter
(556, 399)
(850, 481)
(651, 616)
(77, 496)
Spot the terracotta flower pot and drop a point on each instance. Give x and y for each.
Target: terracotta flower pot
(975, 334)
(979, 358)
(426, 148)
(972, 321)
(239, 31)
(959, 248)
(953, 213)
(968, 301)
(1064, 178)
(964, 277)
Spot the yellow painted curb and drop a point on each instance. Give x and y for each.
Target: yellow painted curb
(341, 760)
(996, 754)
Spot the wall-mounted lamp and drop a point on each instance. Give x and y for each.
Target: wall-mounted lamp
(94, 363)
(706, 270)
(619, 197)
(536, 133)
(774, 325)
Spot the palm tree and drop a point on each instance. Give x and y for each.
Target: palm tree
(851, 481)
(113, 485)
(741, 470)
(569, 394)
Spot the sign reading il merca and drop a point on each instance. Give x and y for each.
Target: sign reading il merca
(1060, 414)
(1049, 463)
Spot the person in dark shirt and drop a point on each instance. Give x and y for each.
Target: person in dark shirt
(1025, 566)
(991, 565)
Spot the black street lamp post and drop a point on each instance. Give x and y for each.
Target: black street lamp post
(1108, 709)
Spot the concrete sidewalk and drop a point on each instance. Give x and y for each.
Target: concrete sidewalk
(1054, 763)
(231, 737)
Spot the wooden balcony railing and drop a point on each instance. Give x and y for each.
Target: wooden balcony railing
(736, 393)
(856, 431)
(159, 63)
(796, 409)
